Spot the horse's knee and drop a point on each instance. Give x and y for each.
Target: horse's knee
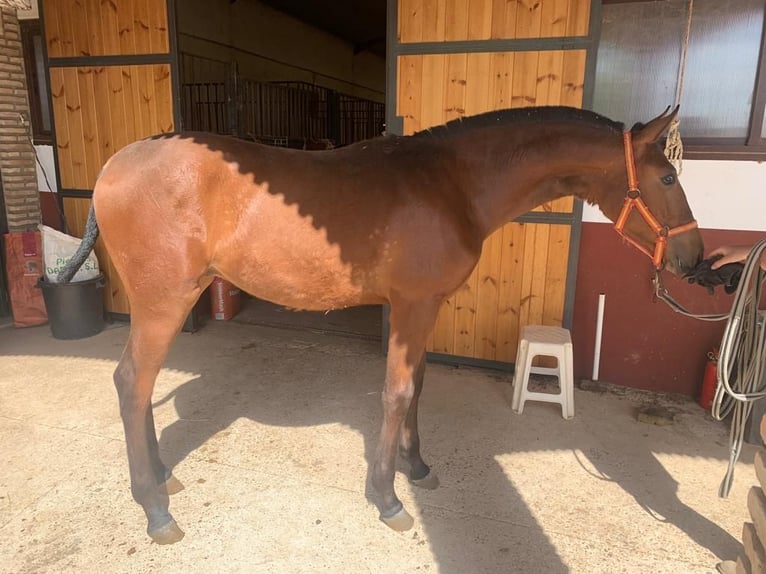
(397, 398)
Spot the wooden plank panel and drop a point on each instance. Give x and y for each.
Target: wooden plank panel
(456, 23)
(573, 78)
(524, 79)
(478, 83)
(73, 215)
(142, 29)
(434, 20)
(501, 79)
(110, 28)
(528, 18)
(487, 296)
(455, 88)
(465, 316)
(117, 108)
(133, 128)
(550, 65)
(146, 101)
(52, 33)
(554, 18)
(127, 27)
(74, 121)
(158, 27)
(440, 20)
(63, 139)
(105, 140)
(479, 19)
(499, 28)
(556, 274)
(509, 296)
(410, 20)
(433, 104)
(79, 22)
(163, 98)
(533, 281)
(408, 102)
(578, 18)
(66, 31)
(90, 126)
(95, 27)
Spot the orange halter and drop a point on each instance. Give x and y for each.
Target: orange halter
(633, 200)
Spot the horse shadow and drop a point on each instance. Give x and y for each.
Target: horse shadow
(284, 391)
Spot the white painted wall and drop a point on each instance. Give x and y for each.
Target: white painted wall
(45, 155)
(31, 14)
(722, 195)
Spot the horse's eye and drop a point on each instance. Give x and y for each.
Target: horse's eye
(669, 179)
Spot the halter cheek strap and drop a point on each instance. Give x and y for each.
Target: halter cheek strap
(632, 201)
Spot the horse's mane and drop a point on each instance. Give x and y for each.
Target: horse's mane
(522, 115)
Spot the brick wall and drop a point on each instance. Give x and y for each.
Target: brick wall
(17, 160)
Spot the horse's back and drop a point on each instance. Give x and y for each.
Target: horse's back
(281, 224)
(312, 230)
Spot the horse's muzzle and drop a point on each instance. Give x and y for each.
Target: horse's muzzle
(684, 252)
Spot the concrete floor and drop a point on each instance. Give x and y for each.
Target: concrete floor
(270, 430)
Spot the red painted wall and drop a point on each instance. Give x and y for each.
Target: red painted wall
(645, 344)
(49, 210)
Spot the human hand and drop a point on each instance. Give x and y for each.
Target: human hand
(729, 254)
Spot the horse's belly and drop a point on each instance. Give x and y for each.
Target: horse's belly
(312, 281)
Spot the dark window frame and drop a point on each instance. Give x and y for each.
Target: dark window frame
(30, 29)
(751, 148)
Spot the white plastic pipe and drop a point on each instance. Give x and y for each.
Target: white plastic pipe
(599, 328)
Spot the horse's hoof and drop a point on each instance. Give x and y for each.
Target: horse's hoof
(429, 481)
(400, 521)
(167, 534)
(173, 485)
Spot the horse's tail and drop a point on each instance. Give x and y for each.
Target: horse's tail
(86, 246)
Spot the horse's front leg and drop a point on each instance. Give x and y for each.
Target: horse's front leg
(410, 324)
(409, 441)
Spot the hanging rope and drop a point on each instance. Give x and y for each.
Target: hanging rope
(742, 360)
(674, 147)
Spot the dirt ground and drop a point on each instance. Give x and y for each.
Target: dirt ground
(271, 432)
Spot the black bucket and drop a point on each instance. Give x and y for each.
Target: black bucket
(75, 310)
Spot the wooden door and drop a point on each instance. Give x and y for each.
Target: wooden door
(463, 57)
(110, 68)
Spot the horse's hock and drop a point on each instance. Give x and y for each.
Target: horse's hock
(539, 340)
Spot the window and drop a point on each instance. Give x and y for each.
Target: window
(37, 82)
(724, 86)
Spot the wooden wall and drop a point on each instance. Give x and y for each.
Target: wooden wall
(445, 20)
(111, 84)
(521, 277)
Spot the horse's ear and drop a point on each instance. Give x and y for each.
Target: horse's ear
(652, 131)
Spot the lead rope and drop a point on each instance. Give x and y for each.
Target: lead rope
(742, 359)
(674, 147)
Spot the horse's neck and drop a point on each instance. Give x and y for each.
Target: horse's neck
(508, 176)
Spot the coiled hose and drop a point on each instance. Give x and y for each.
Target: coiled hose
(742, 359)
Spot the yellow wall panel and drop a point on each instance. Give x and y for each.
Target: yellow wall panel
(443, 20)
(77, 28)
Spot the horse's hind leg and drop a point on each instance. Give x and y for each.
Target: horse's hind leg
(409, 441)
(151, 333)
(164, 475)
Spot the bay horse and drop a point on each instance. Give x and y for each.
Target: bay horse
(393, 220)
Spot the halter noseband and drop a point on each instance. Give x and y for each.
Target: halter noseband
(633, 200)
